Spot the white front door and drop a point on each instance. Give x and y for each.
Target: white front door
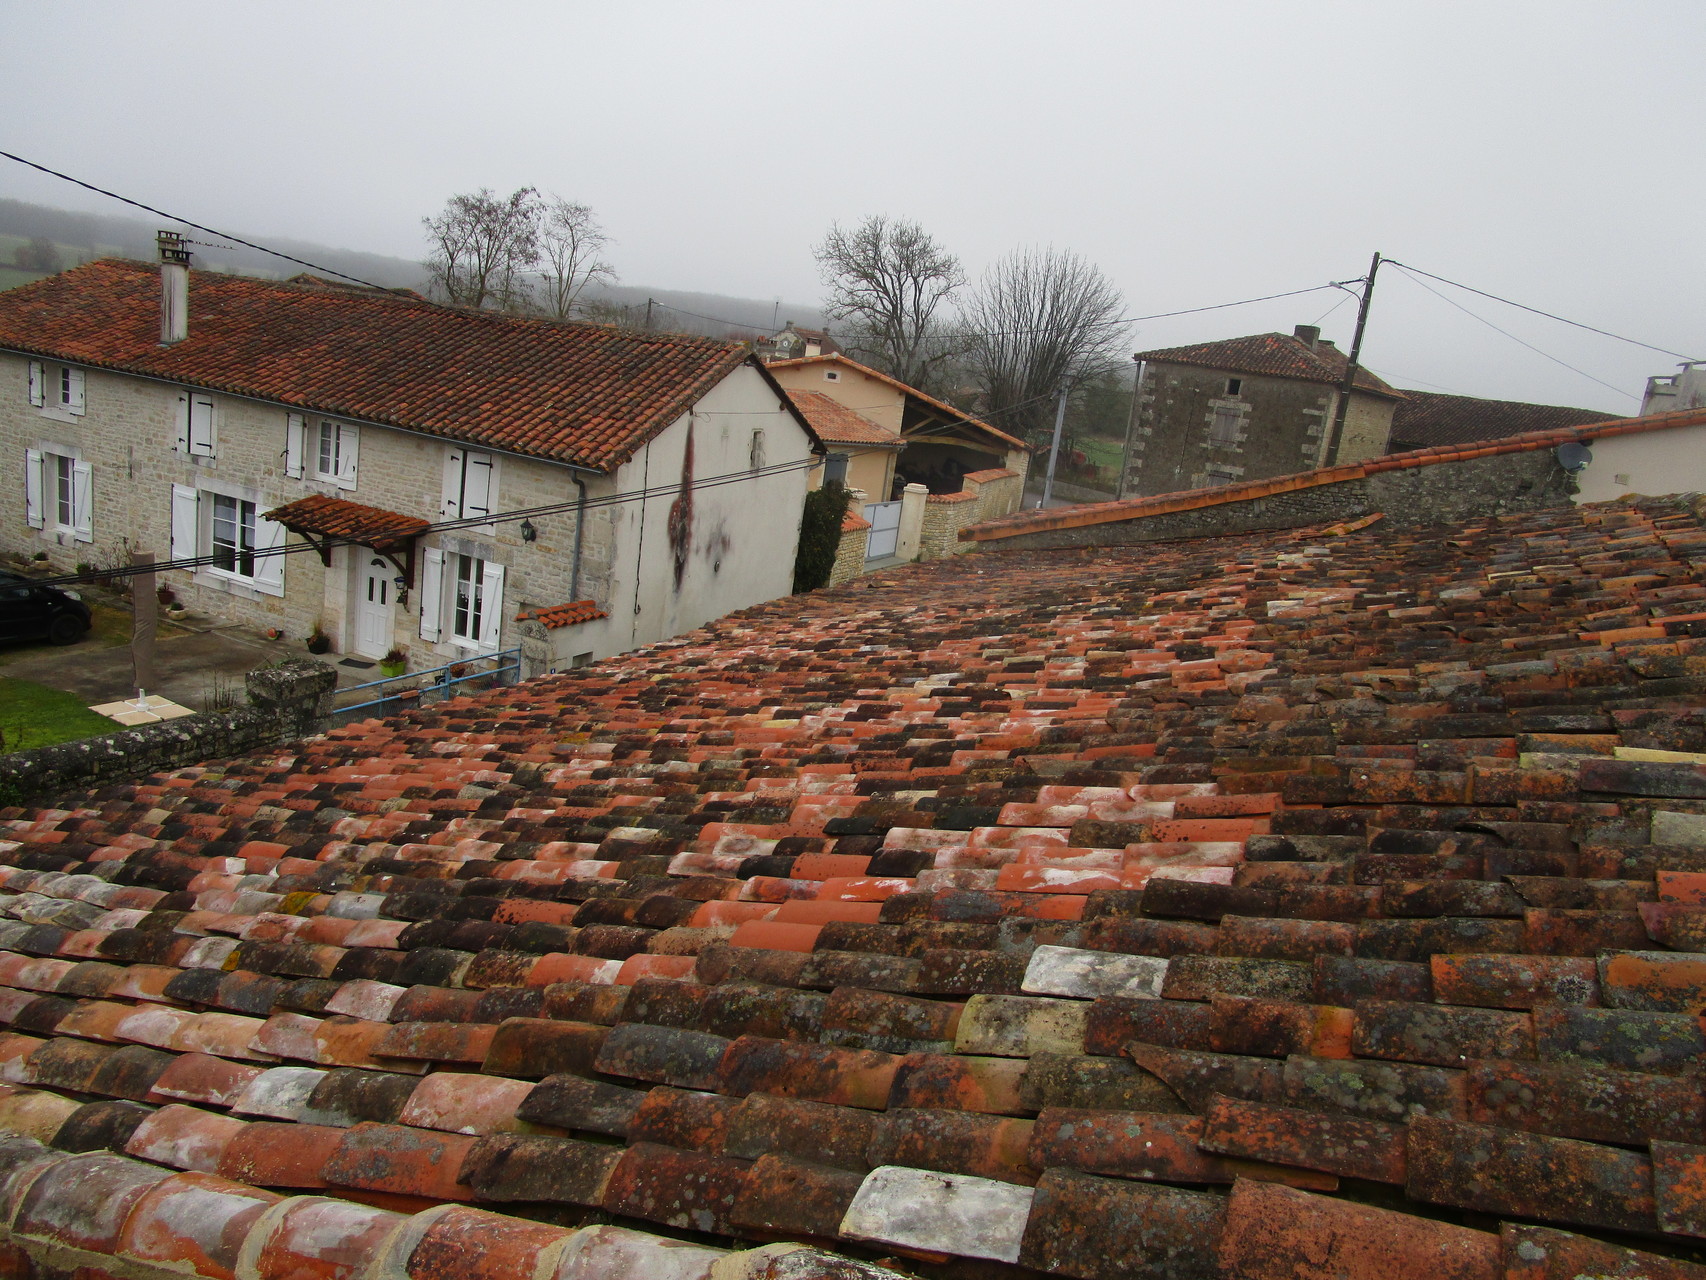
(373, 607)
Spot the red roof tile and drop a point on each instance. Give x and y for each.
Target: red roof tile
(341, 518)
(1276, 355)
(837, 424)
(939, 406)
(576, 393)
(564, 615)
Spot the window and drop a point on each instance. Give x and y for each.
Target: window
(335, 452)
(230, 531)
(1219, 475)
(831, 375)
(1234, 386)
(57, 492)
(470, 483)
(755, 456)
(57, 389)
(1223, 429)
(195, 424)
(233, 540)
(835, 469)
(462, 599)
(580, 660)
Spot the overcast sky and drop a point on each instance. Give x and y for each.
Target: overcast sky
(1199, 153)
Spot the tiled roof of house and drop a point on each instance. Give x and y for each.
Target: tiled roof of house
(563, 615)
(1276, 355)
(340, 518)
(1425, 418)
(837, 424)
(940, 406)
(1256, 908)
(1024, 522)
(576, 393)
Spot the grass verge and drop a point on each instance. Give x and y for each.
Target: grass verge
(32, 715)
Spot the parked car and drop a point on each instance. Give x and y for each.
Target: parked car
(34, 611)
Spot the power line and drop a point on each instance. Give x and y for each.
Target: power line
(1507, 333)
(1604, 333)
(442, 526)
(89, 186)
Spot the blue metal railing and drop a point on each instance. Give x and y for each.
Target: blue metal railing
(434, 684)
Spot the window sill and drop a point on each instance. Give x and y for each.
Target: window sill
(59, 413)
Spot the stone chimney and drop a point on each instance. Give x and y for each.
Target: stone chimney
(174, 287)
(1307, 334)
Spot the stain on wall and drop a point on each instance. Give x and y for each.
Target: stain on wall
(681, 513)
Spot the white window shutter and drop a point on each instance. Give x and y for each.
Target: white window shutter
(201, 425)
(74, 393)
(269, 570)
(82, 502)
(33, 488)
(38, 384)
(432, 593)
(492, 600)
(477, 485)
(294, 431)
(185, 530)
(183, 422)
(453, 484)
(349, 442)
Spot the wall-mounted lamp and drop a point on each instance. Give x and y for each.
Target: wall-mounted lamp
(528, 532)
(402, 585)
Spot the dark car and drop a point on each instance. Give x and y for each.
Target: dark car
(34, 611)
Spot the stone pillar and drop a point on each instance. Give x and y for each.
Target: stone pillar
(912, 500)
(144, 617)
(297, 693)
(536, 648)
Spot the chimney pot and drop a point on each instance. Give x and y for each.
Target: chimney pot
(1307, 334)
(174, 287)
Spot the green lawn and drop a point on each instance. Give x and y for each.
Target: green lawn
(32, 715)
(1101, 451)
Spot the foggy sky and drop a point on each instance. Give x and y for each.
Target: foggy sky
(1198, 153)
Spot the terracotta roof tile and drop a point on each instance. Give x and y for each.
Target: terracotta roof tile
(981, 915)
(1277, 355)
(576, 393)
(1424, 419)
(563, 615)
(341, 518)
(837, 424)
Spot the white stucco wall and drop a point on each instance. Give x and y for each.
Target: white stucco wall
(1649, 462)
(741, 538)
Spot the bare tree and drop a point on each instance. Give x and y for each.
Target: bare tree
(1041, 319)
(890, 278)
(571, 245)
(482, 248)
(39, 254)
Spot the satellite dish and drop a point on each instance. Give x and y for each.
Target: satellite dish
(1573, 456)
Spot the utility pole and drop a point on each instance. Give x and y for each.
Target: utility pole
(1344, 404)
(1054, 449)
(648, 315)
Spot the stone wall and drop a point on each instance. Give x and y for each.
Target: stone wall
(286, 702)
(945, 514)
(1412, 497)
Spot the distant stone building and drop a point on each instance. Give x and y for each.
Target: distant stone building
(1424, 419)
(1246, 409)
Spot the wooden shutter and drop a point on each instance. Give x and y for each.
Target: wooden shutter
(492, 605)
(349, 444)
(185, 527)
(74, 393)
(432, 594)
(452, 507)
(269, 570)
(201, 425)
(477, 485)
(82, 495)
(33, 488)
(183, 422)
(294, 431)
(38, 384)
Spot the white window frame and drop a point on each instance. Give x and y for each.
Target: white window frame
(338, 443)
(462, 599)
(198, 424)
(194, 521)
(57, 483)
(59, 391)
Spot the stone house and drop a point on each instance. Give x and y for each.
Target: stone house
(444, 482)
(1246, 409)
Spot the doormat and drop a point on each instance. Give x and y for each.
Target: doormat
(360, 664)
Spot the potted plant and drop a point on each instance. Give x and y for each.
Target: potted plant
(318, 641)
(273, 633)
(394, 663)
(166, 595)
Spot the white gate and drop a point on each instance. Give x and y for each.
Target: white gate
(884, 537)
